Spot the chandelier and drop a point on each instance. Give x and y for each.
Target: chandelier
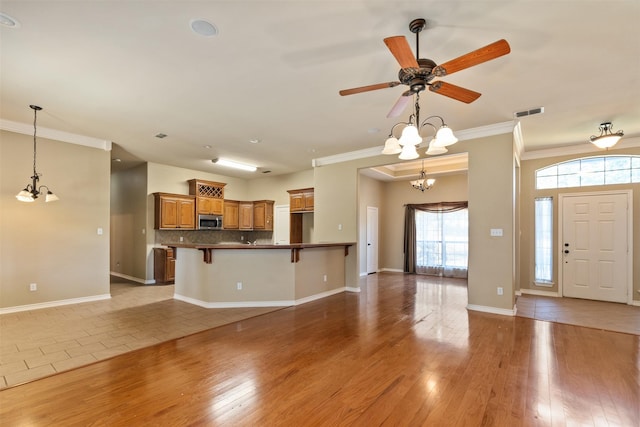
(410, 138)
(423, 183)
(607, 138)
(32, 190)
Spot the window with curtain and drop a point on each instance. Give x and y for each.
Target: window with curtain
(437, 239)
(543, 240)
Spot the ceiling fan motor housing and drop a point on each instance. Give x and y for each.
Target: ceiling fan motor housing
(417, 78)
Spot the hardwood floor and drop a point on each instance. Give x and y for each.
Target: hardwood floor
(403, 352)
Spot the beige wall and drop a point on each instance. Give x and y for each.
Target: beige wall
(528, 195)
(448, 188)
(129, 222)
(56, 244)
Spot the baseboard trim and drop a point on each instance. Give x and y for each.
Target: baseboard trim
(133, 279)
(57, 303)
(248, 304)
(540, 293)
(393, 270)
(493, 310)
(636, 303)
(352, 289)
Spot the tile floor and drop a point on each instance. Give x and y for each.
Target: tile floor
(592, 314)
(38, 343)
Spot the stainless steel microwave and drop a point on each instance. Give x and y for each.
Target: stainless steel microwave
(209, 222)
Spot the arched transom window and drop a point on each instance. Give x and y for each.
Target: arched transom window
(602, 170)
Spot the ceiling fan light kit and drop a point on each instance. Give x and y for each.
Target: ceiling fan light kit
(417, 73)
(607, 137)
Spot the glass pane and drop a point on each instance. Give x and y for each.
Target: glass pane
(618, 177)
(543, 239)
(565, 181)
(592, 178)
(569, 167)
(617, 162)
(635, 162)
(593, 164)
(635, 175)
(547, 182)
(551, 170)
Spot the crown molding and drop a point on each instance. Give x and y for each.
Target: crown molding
(473, 133)
(56, 135)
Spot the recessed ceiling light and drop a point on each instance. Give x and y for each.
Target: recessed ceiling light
(8, 21)
(373, 130)
(203, 27)
(207, 146)
(117, 160)
(254, 141)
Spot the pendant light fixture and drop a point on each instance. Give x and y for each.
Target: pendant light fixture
(32, 190)
(607, 138)
(410, 138)
(423, 183)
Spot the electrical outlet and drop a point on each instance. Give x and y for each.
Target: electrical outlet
(340, 227)
(181, 239)
(239, 286)
(33, 287)
(99, 231)
(324, 278)
(500, 291)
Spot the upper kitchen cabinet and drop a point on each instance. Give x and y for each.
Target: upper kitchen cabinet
(230, 219)
(174, 211)
(209, 196)
(263, 215)
(245, 215)
(301, 200)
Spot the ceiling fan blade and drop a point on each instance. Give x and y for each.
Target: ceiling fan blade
(401, 50)
(361, 89)
(455, 92)
(487, 53)
(400, 105)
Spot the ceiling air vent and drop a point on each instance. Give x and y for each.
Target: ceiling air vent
(526, 113)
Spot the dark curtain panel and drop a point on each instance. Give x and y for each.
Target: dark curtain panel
(410, 227)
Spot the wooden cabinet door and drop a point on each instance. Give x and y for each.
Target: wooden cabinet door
(246, 215)
(187, 214)
(230, 219)
(204, 205)
(168, 213)
(263, 215)
(296, 202)
(308, 201)
(217, 206)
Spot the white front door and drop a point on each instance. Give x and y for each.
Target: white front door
(594, 244)
(372, 240)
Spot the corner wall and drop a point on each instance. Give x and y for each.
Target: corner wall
(55, 245)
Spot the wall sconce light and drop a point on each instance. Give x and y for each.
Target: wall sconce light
(607, 138)
(410, 137)
(32, 190)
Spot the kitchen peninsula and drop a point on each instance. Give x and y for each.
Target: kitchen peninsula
(243, 275)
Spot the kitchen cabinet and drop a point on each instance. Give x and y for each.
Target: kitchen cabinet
(230, 218)
(164, 265)
(174, 211)
(210, 196)
(263, 215)
(245, 215)
(301, 200)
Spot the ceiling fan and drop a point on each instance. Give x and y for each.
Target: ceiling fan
(417, 73)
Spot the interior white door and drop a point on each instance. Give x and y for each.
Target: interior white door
(281, 224)
(594, 246)
(372, 239)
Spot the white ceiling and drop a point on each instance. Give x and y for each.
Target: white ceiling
(125, 71)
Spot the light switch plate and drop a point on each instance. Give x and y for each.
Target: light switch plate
(496, 232)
